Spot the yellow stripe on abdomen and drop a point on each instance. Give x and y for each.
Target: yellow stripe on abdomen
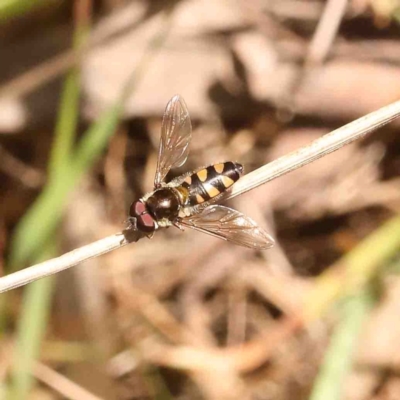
(219, 167)
(228, 182)
(202, 174)
(211, 190)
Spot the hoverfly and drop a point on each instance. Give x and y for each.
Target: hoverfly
(186, 201)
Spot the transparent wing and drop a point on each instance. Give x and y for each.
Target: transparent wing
(176, 132)
(228, 224)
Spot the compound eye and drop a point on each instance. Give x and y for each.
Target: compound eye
(137, 208)
(146, 223)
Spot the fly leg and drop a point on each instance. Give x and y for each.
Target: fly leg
(131, 223)
(178, 224)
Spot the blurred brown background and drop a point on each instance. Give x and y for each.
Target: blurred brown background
(185, 315)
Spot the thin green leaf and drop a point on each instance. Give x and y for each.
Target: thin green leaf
(355, 270)
(339, 357)
(35, 230)
(13, 8)
(43, 217)
(31, 331)
(65, 131)
(41, 220)
(37, 297)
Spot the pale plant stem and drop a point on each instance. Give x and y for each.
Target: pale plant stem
(315, 150)
(65, 261)
(318, 148)
(62, 384)
(326, 32)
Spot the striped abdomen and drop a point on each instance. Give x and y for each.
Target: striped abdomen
(207, 183)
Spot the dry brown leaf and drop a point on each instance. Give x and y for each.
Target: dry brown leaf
(360, 385)
(339, 89)
(188, 64)
(267, 77)
(347, 90)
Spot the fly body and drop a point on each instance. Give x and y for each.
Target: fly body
(187, 201)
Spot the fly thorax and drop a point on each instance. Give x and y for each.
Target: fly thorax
(164, 204)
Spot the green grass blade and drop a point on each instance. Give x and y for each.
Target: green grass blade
(31, 331)
(355, 270)
(37, 297)
(339, 356)
(66, 168)
(41, 220)
(13, 8)
(43, 217)
(65, 131)
(67, 121)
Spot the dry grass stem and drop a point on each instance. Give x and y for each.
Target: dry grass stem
(61, 384)
(37, 76)
(29, 81)
(242, 358)
(15, 168)
(65, 261)
(317, 149)
(326, 32)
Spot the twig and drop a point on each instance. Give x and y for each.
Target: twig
(65, 261)
(347, 276)
(17, 169)
(268, 26)
(48, 70)
(61, 384)
(242, 358)
(317, 149)
(320, 44)
(29, 81)
(326, 32)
